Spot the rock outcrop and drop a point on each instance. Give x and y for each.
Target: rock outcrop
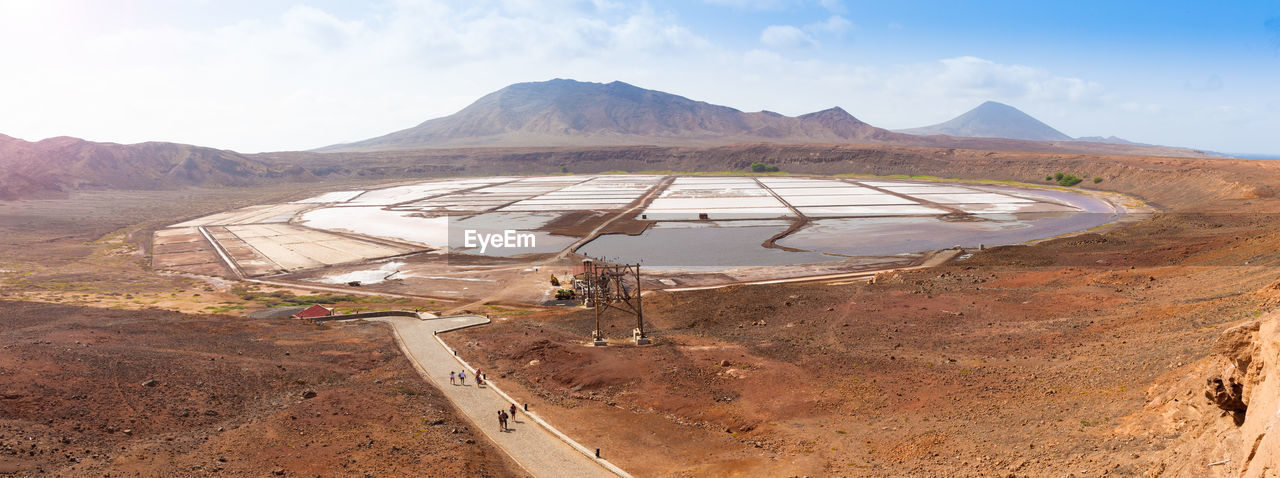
(1225, 409)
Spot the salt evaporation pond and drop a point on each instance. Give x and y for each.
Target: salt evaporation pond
(998, 216)
(368, 276)
(694, 222)
(700, 245)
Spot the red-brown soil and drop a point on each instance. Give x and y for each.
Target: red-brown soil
(1025, 360)
(1022, 360)
(90, 391)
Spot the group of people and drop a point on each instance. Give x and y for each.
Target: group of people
(461, 377)
(503, 416)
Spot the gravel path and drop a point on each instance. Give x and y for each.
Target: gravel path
(537, 450)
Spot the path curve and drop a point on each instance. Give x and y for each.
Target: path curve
(539, 451)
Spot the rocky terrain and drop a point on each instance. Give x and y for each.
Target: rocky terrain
(1024, 360)
(1131, 352)
(91, 391)
(1225, 408)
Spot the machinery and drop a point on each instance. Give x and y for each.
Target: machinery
(610, 286)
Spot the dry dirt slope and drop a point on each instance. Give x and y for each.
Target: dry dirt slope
(1227, 409)
(93, 392)
(1030, 360)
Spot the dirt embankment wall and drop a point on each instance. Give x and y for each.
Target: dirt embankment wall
(1174, 183)
(1227, 409)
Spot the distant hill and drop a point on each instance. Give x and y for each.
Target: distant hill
(993, 120)
(573, 113)
(1108, 139)
(525, 120)
(568, 113)
(64, 163)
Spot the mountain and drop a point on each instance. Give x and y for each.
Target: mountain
(567, 113)
(573, 113)
(993, 120)
(1108, 139)
(65, 163)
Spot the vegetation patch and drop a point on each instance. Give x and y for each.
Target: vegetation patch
(758, 167)
(284, 298)
(1066, 180)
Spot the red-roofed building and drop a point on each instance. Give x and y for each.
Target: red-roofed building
(313, 312)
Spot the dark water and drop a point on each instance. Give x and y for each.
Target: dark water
(726, 244)
(896, 235)
(715, 245)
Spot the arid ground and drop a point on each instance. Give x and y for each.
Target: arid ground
(1026, 360)
(109, 368)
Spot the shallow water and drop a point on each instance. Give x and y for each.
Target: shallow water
(1001, 220)
(896, 235)
(743, 216)
(676, 247)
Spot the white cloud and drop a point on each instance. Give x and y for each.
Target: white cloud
(755, 4)
(836, 25)
(832, 5)
(304, 77)
(978, 78)
(307, 77)
(786, 36)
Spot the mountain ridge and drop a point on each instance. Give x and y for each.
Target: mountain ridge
(570, 113)
(563, 112)
(65, 163)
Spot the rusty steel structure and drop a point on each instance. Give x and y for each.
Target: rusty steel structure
(612, 286)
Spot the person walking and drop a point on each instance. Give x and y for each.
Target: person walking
(479, 378)
(462, 377)
(453, 378)
(513, 411)
(502, 421)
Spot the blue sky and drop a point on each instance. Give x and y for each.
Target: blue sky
(280, 75)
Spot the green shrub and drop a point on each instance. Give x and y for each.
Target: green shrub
(1058, 176)
(1097, 180)
(758, 167)
(1048, 177)
(1069, 180)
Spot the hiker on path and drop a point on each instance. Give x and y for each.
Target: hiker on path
(462, 377)
(502, 421)
(452, 377)
(513, 411)
(479, 378)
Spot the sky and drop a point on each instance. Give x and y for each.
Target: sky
(266, 75)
